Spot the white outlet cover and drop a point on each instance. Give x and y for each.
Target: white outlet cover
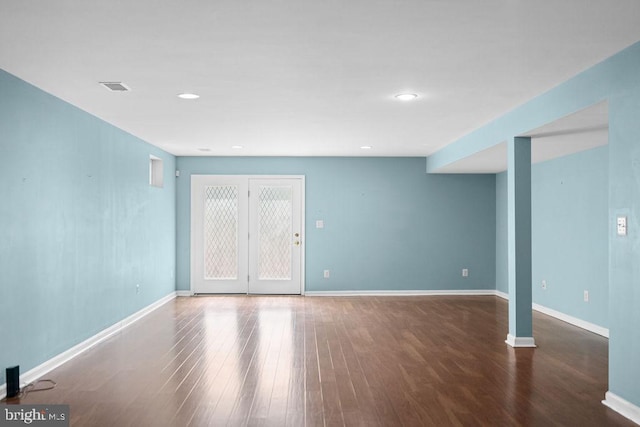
(621, 223)
(319, 223)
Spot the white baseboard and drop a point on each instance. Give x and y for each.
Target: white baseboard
(621, 406)
(501, 294)
(184, 293)
(514, 341)
(397, 293)
(572, 320)
(591, 327)
(42, 369)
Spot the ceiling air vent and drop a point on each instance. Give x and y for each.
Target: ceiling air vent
(115, 86)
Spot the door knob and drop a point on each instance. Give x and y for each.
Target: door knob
(297, 242)
(297, 234)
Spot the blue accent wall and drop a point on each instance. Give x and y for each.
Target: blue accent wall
(502, 274)
(617, 81)
(387, 224)
(624, 255)
(569, 211)
(80, 226)
(570, 243)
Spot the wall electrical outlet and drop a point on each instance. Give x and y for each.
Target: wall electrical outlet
(586, 296)
(544, 285)
(465, 272)
(326, 274)
(137, 288)
(621, 225)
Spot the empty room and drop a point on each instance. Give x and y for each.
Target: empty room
(296, 213)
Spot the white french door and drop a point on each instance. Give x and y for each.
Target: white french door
(246, 234)
(275, 236)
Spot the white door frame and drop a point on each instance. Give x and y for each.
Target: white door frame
(196, 177)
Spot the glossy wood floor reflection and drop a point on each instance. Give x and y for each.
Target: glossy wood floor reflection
(296, 361)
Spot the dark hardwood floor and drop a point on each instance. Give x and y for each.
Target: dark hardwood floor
(295, 361)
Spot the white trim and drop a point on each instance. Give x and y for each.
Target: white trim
(572, 320)
(622, 406)
(502, 295)
(591, 327)
(186, 293)
(303, 233)
(398, 293)
(520, 341)
(65, 356)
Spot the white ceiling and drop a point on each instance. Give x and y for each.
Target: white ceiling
(308, 78)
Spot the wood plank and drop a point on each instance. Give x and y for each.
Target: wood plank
(361, 361)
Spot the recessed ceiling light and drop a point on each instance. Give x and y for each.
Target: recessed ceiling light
(204, 149)
(406, 96)
(188, 96)
(365, 147)
(237, 147)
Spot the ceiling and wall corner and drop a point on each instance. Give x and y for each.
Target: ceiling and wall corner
(581, 131)
(309, 78)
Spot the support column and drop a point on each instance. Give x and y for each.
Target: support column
(519, 242)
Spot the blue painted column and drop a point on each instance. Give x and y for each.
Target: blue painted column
(519, 242)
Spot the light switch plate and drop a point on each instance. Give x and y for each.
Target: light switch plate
(621, 223)
(319, 223)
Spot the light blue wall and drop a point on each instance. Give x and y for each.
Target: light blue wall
(617, 81)
(502, 275)
(388, 225)
(570, 243)
(79, 225)
(569, 211)
(624, 255)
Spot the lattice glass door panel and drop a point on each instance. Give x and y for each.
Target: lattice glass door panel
(221, 232)
(275, 232)
(275, 242)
